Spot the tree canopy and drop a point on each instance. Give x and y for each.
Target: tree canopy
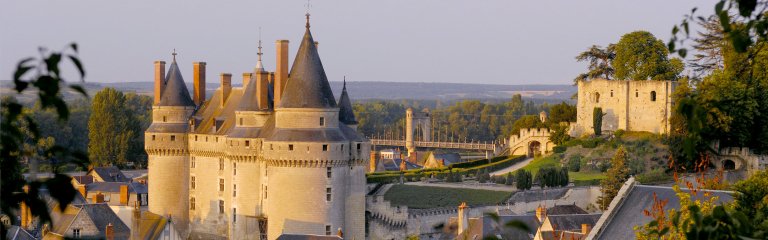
(114, 130)
(641, 56)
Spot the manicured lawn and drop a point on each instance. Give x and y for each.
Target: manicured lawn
(581, 176)
(534, 166)
(422, 197)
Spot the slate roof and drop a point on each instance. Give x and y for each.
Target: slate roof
(491, 228)
(346, 113)
(572, 222)
(536, 195)
(394, 164)
(286, 236)
(110, 174)
(450, 158)
(17, 233)
(99, 214)
(629, 212)
(85, 179)
(114, 187)
(565, 209)
(250, 99)
(175, 92)
(307, 85)
(150, 226)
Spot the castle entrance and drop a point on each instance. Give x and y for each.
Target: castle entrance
(728, 165)
(533, 148)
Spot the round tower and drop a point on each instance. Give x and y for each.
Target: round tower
(166, 144)
(313, 185)
(409, 141)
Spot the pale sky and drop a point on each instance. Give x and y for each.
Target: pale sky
(487, 41)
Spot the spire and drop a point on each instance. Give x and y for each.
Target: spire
(307, 14)
(346, 114)
(259, 65)
(307, 85)
(175, 92)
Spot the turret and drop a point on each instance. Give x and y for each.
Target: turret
(346, 113)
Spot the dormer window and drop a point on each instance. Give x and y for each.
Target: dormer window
(325, 147)
(247, 143)
(322, 121)
(173, 137)
(164, 119)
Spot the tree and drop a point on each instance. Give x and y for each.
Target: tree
(43, 76)
(559, 134)
(527, 121)
(708, 46)
(599, 62)
(753, 199)
(524, 180)
(562, 112)
(508, 179)
(113, 130)
(617, 174)
(641, 56)
(597, 120)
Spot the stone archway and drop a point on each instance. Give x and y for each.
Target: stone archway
(533, 148)
(728, 165)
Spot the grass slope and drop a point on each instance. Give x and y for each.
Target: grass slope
(422, 197)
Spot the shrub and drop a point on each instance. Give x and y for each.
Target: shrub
(618, 133)
(559, 149)
(524, 180)
(508, 180)
(654, 176)
(574, 163)
(591, 143)
(597, 120)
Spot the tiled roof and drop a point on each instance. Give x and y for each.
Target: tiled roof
(114, 187)
(307, 85)
(346, 113)
(572, 222)
(535, 195)
(110, 174)
(175, 92)
(565, 209)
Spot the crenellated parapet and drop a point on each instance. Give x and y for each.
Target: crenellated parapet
(528, 133)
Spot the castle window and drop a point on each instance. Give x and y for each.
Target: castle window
(192, 182)
(217, 139)
(611, 93)
(153, 137)
(597, 97)
(76, 233)
(221, 206)
(192, 204)
(234, 215)
(195, 138)
(173, 137)
(234, 168)
(192, 163)
(358, 149)
(221, 184)
(265, 192)
(247, 143)
(328, 172)
(328, 194)
(206, 139)
(234, 190)
(637, 94)
(328, 230)
(342, 147)
(290, 147)
(241, 121)
(164, 119)
(322, 121)
(221, 164)
(653, 96)
(271, 147)
(325, 147)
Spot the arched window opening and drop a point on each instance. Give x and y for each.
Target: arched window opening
(729, 165)
(653, 96)
(597, 97)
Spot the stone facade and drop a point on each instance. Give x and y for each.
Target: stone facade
(530, 142)
(628, 105)
(244, 165)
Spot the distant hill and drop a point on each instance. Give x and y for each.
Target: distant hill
(382, 90)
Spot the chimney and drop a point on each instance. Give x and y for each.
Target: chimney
(26, 213)
(463, 221)
(109, 232)
(159, 80)
(281, 70)
(246, 79)
(585, 228)
(262, 81)
(98, 198)
(124, 194)
(541, 213)
(199, 83)
(226, 87)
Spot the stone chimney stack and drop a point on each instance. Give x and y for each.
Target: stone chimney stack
(585, 228)
(247, 77)
(124, 194)
(199, 83)
(463, 218)
(109, 233)
(226, 87)
(262, 81)
(98, 198)
(159, 80)
(281, 70)
(26, 213)
(541, 213)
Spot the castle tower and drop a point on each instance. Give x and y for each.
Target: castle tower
(167, 147)
(409, 140)
(315, 165)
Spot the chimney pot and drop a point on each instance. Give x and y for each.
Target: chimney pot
(109, 232)
(585, 228)
(281, 70)
(124, 194)
(247, 77)
(226, 87)
(159, 80)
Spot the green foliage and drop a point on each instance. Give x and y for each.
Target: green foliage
(524, 179)
(552, 177)
(654, 176)
(641, 56)
(599, 62)
(559, 134)
(114, 129)
(562, 112)
(617, 174)
(753, 199)
(574, 163)
(559, 148)
(422, 197)
(20, 137)
(597, 121)
(527, 121)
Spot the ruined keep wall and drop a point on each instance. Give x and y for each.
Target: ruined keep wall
(627, 105)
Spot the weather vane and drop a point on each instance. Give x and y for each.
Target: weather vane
(308, 7)
(259, 53)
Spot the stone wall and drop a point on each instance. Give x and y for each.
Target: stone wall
(627, 105)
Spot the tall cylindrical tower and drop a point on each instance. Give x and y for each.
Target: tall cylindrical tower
(409, 141)
(167, 145)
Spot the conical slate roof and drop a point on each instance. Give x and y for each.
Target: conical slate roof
(346, 115)
(250, 99)
(307, 86)
(175, 92)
